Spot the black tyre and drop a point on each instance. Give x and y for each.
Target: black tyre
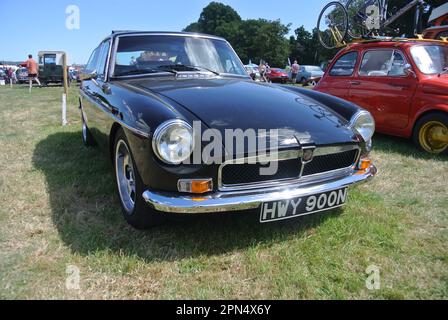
(130, 187)
(87, 137)
(332, 25)
(431, 133)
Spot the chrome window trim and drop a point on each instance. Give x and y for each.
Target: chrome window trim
(289, 155)
(394, 50)
(202, 36)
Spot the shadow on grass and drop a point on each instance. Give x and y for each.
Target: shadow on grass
(86, 212)
(402, 146)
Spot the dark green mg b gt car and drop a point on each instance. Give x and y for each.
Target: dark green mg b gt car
(189, 132)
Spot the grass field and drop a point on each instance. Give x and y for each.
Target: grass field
(58, 208)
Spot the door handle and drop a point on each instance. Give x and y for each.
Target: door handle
(355, 83)
(396, 85)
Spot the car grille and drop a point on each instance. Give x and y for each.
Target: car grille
(238, 174)
(330, 162)
(243, 176)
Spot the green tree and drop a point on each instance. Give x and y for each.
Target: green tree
(251, 39)
(213, 16)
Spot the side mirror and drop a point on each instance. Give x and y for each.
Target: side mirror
(86, 76)
(409, 71)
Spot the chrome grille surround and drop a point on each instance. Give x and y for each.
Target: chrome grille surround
(289, 155)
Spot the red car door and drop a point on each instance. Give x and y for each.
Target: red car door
(337, 81)
(385, 88)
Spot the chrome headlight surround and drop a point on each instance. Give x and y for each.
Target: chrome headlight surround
(363, 123)
(173, 141)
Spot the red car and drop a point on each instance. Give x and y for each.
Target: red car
(403, 83)
(278, 75)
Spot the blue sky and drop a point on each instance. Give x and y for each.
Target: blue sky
(31, 25)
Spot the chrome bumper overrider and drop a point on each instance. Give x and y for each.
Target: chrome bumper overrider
(238, 201)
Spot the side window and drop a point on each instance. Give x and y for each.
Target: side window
(102, 58)
(382, 63)
(345, 66)
(93, 61)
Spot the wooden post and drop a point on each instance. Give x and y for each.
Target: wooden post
(64, 95)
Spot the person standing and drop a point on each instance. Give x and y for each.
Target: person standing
(14, 77)
(268, 72)
(294, 71)
(33, 71)
(263, 72)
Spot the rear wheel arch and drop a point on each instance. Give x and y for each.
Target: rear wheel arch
(424, 114)
(113, 132)
(424, 135)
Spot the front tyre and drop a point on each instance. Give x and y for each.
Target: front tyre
(431, 133)
(130, 187)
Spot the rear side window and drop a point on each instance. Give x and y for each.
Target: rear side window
(345, 66)
(383, 63)
(102, 58)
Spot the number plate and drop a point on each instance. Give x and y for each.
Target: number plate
(296, 207)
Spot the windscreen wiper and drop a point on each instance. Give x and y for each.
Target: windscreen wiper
(143, 72)
(182, 66)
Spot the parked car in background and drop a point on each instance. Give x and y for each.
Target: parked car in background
(437, 33)
(143, 111)
(438, 23)
(3, 76)
(403, 83)
(74, 75)
(22, 75)
(309, 75)
(51, 67)
(253, 71)
(278, 75)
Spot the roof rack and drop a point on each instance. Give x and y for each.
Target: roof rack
(392, 39)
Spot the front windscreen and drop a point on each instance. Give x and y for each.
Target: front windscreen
(147, 54)
(430, 59)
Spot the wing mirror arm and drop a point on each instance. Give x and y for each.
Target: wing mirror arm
(90, 76)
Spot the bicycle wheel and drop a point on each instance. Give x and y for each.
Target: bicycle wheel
(332, 25)
(363, 17)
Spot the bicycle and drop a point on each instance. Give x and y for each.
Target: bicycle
(364, 19)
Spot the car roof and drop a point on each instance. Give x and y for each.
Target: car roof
(391, 43)
(117, 33)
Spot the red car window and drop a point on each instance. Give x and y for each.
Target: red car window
(345, 65)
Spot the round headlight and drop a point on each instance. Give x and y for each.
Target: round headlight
(364, 124)
(173, 141)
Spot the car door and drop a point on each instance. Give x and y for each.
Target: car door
(100, 92)
(87, 92)
(338, 80)
(385, 88)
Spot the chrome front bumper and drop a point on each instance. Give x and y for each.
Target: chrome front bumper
(239, 201)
